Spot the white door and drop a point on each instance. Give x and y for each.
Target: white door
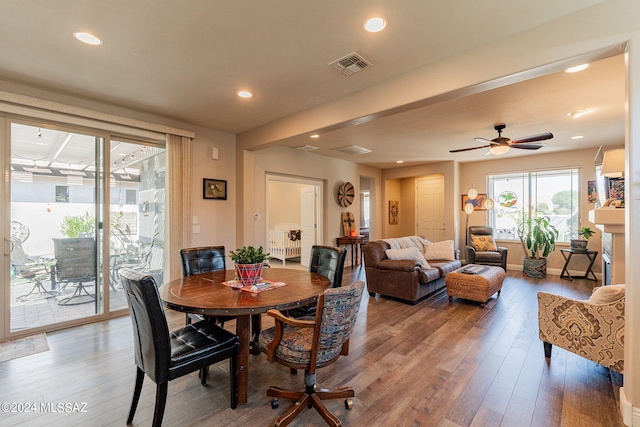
(430, 208)
(308, 223)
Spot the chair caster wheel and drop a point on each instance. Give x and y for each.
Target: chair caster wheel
(275, 403)
(348, 404)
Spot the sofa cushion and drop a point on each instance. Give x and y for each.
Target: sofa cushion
(440, 250)
(446, 266)
(606, 294)
(413, 254)
(483, 242)
(407, 242)
(429, 275)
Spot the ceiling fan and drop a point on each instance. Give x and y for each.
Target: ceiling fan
(501, 145)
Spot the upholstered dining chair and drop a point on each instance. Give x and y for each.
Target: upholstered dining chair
(327, 261)
(310, 345)
(482, 249)
(203, 259)
(593, 329)
(165, 355)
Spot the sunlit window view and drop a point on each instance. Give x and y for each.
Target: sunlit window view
(529, 194)
(58, 223)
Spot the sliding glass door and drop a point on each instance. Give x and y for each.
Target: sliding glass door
(82, 206)
(136, 213)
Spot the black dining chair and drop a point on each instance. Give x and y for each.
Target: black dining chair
(199, 260)
(165, 355)
(327, 261)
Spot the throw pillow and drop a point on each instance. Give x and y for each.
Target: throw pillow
(440, 250)
(413, 254)
(483, 243)
(606, 294)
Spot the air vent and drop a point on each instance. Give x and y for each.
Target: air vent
(353, 149)
(306, 148)
(350, 64)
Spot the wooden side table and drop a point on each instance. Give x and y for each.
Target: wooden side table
(568, 253)
(355, 243)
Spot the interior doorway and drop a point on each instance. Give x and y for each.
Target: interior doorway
(367, 206)
(294, 218)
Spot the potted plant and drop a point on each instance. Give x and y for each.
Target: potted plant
(538, 237)
(78, 226)
(580, 244)
(248, 262)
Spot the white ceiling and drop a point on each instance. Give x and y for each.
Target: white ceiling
(186, 60)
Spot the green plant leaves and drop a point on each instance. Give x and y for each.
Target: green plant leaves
(538, 236)
(248, 255)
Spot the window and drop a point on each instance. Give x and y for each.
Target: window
(62, 194)
(552, 193)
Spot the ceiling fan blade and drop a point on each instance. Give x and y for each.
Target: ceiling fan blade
(533, 138)
(468, 149)
(484, 140)
(527, 146)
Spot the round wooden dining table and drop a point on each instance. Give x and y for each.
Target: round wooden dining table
(205, 294)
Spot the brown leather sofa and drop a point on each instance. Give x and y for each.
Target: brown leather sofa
(403, 279)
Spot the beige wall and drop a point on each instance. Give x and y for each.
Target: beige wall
(215, 217)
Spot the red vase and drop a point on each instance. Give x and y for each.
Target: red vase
(248, 274)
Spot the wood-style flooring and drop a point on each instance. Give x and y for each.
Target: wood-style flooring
(432, 364)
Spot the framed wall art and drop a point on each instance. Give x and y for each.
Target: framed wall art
(592, 192)
(477, 203)
(394, 208)
(214, 189)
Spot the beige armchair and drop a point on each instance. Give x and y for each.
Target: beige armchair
(593, 329)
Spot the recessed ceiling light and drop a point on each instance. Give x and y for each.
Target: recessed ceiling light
(399, 161)
(374, 25)
(577, 68)
(87, 38)
(245, 94)
(315, 135)
(577, 137)
(577, 113)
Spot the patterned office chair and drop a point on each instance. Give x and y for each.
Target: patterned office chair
(313, 344)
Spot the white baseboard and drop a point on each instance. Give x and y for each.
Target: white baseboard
(630, 415)
(554, 271)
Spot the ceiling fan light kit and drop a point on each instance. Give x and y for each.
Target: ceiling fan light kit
(502, 145)
(499, 149)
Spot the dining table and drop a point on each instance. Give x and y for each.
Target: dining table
(206, 294)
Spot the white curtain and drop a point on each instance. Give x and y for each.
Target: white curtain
(178, 203)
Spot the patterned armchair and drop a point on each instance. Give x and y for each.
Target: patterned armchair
(593, 329)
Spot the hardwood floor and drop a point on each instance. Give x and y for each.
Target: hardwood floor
(433, 364)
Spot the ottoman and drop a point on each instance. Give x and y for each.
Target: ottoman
(474, 282)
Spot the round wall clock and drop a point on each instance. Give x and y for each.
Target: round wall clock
(346, 193)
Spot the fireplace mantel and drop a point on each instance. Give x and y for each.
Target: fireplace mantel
(611, 220)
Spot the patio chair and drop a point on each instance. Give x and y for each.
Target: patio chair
(31, 269)
(75, 263)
